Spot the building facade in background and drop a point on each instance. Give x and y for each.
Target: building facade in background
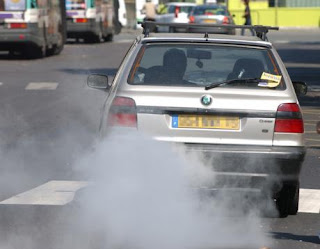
(283, 13)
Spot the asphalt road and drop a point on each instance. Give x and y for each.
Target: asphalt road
(49, 119)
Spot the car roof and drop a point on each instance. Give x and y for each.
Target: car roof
(212, 38)
(181, 4)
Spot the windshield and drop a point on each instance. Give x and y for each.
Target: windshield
(210, 10)
(201, 65)
(12, 5)
(75, 4)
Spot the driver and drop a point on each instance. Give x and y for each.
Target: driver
(174, 65)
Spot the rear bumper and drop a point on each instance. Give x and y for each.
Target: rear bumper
(81, 29)
(252, 166)
(14, 39)
(267, 152)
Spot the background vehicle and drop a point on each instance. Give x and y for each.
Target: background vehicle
(34, 28)
(176, 13)
(122, 12)
(211, 14)
(228, 98)
(92, 20)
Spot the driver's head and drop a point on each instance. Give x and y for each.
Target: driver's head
(175, 63)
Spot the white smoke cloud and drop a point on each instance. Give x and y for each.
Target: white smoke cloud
(145, 194)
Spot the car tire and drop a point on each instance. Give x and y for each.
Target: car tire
(287, 201)
(294, 206)
(34, 52)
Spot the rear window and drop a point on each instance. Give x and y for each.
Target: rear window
(179, 9)
(12, 5)
(210, 11)
(200, 65)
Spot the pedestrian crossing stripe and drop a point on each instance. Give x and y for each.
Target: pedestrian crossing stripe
(42, 86)
(59, 193)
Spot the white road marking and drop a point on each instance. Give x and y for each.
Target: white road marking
(281, 41)
(1, 84)
(60, 193)
(42, 86)
(124, 41)
(309, 201)
(51, 193)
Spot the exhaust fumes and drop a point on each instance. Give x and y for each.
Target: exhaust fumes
(149, 194)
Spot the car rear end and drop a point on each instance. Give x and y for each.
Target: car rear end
(176, 13)
(211, 14)
(81, 19)
(18, 26)
(250, 133)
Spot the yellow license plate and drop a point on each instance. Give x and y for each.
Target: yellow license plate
(205, 122)
(210, 21)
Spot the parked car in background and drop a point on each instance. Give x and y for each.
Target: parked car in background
(176, 13)
(211, 14)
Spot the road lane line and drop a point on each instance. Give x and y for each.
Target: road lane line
(42, 86)
(51, 193)
(309, 201)
(309, 124)
(1, 84)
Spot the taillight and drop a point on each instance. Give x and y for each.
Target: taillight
(123, 112)
(176, 12)
(225, 20)
(289, 119)
(81, 20)
(17, 25)
(191, 19)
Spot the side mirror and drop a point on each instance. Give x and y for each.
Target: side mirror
(318, 127)
(300, 88)
(98, 81)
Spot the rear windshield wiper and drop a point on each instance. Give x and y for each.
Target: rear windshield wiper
(249, 80)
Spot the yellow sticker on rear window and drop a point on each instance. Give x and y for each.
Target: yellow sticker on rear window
(273, 80)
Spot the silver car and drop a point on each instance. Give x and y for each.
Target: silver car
(211, 14)
(229, 98)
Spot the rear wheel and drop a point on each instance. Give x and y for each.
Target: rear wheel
(98, 37)
(35, 52)
(108, 38)
(288, 199)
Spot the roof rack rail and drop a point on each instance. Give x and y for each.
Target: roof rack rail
(260, 30)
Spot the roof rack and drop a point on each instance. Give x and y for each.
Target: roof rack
(260, 30)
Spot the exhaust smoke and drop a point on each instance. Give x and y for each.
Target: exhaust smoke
(149, 194)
